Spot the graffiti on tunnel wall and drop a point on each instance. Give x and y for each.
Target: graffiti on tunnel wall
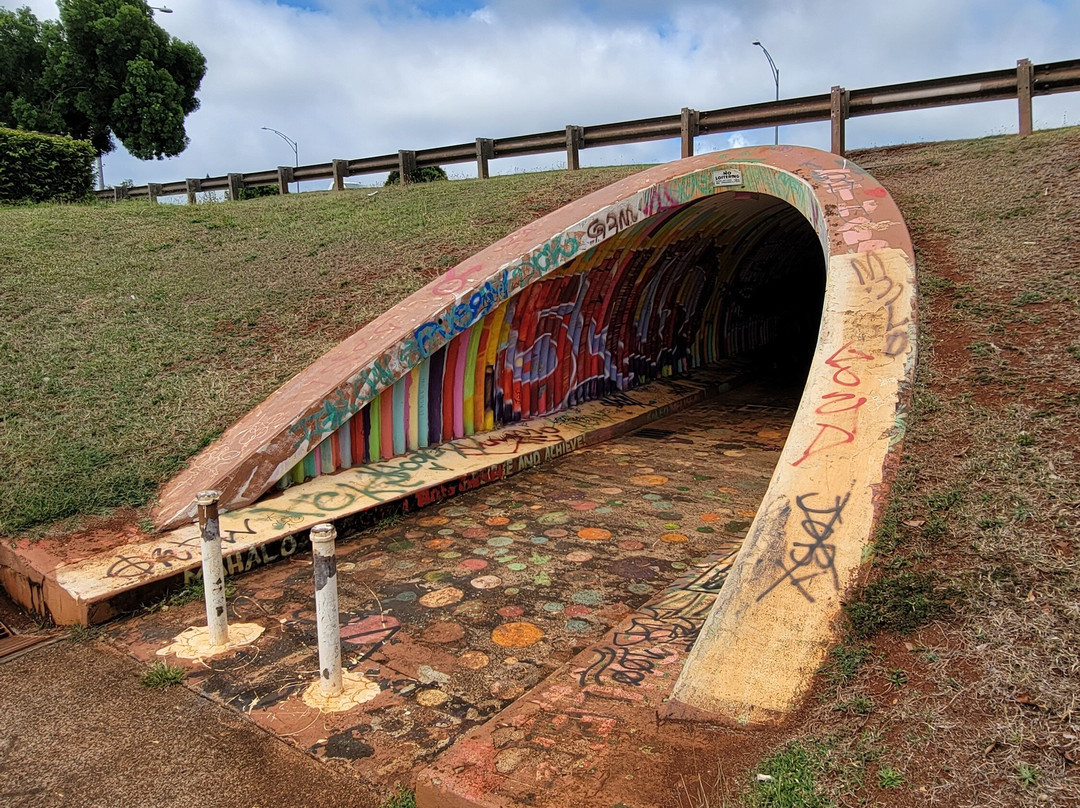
(669, 294)
(637, 288)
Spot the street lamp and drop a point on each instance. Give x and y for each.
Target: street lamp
(776, 78)
(291, 142)
(162, 9)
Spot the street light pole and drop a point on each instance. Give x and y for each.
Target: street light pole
(776, 79)
(295, 150)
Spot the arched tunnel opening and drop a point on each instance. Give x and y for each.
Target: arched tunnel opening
(731, 276)
(687, 552)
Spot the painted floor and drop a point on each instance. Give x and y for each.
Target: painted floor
(461, 609)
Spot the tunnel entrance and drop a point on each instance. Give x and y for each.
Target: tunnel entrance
(728, 276)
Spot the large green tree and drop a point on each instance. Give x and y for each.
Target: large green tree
(104, 69)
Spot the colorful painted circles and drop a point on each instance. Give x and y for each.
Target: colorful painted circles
(442, 597)
(475, 660)
(516, 635)
(594, 534)
(649, 479)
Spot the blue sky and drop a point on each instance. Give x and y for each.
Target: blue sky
(350, 79)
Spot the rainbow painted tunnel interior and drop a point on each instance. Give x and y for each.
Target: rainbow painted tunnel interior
(736, 274)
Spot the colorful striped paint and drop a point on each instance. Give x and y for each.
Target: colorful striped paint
(670, 294)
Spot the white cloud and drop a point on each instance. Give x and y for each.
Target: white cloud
(358, 79)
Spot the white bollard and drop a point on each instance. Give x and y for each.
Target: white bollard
(213, 570)
(326, 608)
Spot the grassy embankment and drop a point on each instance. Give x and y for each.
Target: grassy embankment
(132, 335)
(958, 682)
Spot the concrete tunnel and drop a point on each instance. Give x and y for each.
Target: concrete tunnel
(725, 276)
(778, 256)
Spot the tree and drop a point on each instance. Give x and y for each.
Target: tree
(104, 69)
(425, 174)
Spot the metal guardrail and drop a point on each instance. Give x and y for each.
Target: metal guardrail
(1022, 83)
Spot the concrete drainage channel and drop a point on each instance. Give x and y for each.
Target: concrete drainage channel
(536, 348)
(564, 586)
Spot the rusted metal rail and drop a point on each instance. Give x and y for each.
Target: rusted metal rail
(1022, 83)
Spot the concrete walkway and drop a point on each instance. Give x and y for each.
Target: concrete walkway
(459, 611)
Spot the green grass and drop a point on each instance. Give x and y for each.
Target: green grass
(401, 797)
(792, 771)
(132, 335)
(888, 777)
(161, 675)
(899, 603)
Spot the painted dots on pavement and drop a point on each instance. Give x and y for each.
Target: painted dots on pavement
(674, 538)
(578, 626)
(486, 582)
(507, 691)
(475, 660)
(432, 698)
(587, 597)
(516, 635)
(579, 557)
(442, 597)
(649, 479)
(500, 541)
(510, 612)
(594, 534)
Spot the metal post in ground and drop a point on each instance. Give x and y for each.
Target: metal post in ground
(217, 620)
(326, 608)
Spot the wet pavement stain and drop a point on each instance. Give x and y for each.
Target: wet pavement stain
(457, 610)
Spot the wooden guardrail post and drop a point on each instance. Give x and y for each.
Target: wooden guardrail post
(688, 130)
(284, 177)
(120, 193)
(406, 161)
(193, 186)
(485, 150)
(153, 191)
(839, 101)
(340, 169)
(1025, 85)
(575, 141)
(236, 183)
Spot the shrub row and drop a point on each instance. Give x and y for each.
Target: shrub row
(44, 168)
